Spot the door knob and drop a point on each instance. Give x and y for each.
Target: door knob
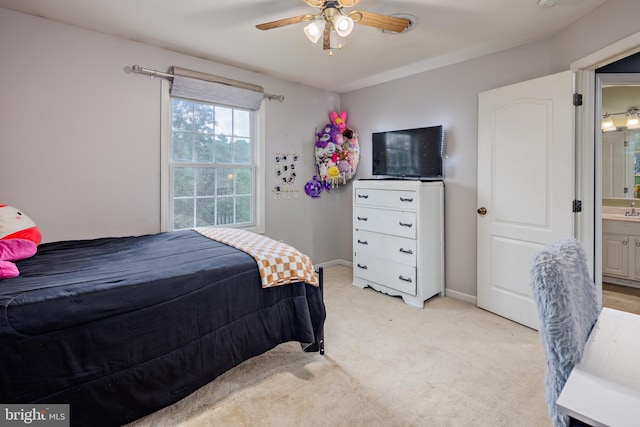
(482, 210)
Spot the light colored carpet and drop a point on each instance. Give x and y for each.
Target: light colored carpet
(386, 364)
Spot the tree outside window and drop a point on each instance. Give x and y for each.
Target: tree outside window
(212, 165)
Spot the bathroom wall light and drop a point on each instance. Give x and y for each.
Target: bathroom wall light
(633, 120)
(607, 123)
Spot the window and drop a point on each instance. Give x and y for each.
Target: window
(212, 165)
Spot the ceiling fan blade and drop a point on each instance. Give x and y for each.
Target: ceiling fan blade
(315, 3)
(348, 3)
(384, 22)
(326, 38)
(286, 21)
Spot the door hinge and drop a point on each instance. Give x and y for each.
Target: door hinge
(577, 99)
(577, 206)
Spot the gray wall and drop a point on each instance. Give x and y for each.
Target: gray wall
(449, 96)
(79, 138)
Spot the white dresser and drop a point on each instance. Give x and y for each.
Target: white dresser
(398, 238)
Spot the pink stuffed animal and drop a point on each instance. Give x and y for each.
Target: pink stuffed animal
(19, 238)
(14, 250)
(339, 119)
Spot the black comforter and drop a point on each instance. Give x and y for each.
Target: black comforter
(121, 327)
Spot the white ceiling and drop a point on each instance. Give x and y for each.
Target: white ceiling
(447, 31)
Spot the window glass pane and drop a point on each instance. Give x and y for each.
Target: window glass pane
(225, 211)
(242, 123)
(206, 182)
(224, 121)
(182, 115)
(244, 182)
(211, 136)
(243, 209)
(183, 182)
(241, 151)
(225, 183)
(182, 146)
(203, 118)
(182, 213)
(204, 148)
(205, 212)
(223, 149)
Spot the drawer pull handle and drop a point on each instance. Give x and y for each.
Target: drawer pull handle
(405, 224)
(363, 196)
(408, 199)
(364, 267)
(405, 279)
(363, 242)
(406, 251)
(362, 218)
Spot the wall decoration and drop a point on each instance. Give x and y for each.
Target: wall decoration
(285, 175)
(337, 155)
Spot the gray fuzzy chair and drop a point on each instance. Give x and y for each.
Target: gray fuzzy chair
(568, 308)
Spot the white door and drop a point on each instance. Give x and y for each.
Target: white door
(525, 187)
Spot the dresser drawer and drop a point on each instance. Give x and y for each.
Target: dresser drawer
(391, 248)
(390, 274)
(392, 199)
(384, 221)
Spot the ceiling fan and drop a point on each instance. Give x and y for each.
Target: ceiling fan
(332, 23)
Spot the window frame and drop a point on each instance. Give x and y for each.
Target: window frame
(166, 178)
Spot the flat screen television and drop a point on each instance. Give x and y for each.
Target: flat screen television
(409, 153)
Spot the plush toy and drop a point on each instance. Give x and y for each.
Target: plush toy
(16, 225)
(14, 250)
(19, 238)
(328, 135)
(339, 119)
(326, 151)
(337, 154)
(313, 188)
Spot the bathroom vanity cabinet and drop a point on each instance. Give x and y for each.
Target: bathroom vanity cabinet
(398, 238)
(621, 252)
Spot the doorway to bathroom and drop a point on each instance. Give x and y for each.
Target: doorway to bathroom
(618, 151)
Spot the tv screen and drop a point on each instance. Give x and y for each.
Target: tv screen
(410, 153)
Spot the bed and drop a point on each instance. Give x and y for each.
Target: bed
(121, 327)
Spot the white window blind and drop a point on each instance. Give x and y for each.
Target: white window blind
(198, 86)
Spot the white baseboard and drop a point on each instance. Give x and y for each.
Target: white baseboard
(448, 292)
(460, 296)
(333, 263)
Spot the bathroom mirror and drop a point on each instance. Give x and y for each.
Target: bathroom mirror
(621, 164)
(620, 146)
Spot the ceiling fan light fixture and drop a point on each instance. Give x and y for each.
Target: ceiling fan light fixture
(314, 30)
(336, 41)
(343, 25)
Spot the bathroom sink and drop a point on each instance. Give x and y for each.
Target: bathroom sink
(619, 213)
